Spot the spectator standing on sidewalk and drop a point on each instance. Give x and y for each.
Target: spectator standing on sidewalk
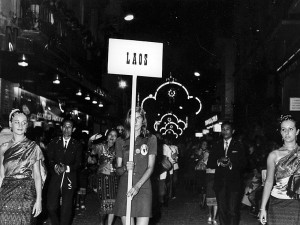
(228, 159)
(145, 150)
(281, 165)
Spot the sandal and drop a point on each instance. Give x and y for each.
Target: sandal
(209, 220)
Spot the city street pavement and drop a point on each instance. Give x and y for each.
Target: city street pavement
(184, 210)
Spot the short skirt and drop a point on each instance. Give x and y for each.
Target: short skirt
(141, 204)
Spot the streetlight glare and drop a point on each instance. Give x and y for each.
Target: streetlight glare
(197, 74)
(122, 84)
(129, 17)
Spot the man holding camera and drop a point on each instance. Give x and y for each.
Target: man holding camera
(65, 155)
(228, 158)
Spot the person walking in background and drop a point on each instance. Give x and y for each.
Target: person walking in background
(200, 158)
(211, 200)
(228, 159)
(22, 174)
(83, 174)
(120, 130)
(65, 158)
(171, 152)
(145, 150)
(281, 165)
(106, 178)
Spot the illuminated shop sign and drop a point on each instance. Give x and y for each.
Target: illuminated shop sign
(211, 120)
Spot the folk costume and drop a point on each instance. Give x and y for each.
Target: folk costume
(107, 182)
(18, 193)
(283, 207)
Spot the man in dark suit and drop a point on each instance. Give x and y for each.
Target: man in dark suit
(65, 155)
(228, 158)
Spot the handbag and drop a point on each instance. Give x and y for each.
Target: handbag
(166, 164)
(293, 187)
(292, 161)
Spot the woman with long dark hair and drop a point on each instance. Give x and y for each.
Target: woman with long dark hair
(106, 178)
(145, 149)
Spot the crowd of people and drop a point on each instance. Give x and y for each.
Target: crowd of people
(49, 179)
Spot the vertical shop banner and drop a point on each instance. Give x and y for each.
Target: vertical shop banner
(135, 58)
(295, 104)
(6, 96)
(141, 58)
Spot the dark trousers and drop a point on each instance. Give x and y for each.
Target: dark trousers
(172, 185)
(53, 204)
(228, 205)
(162, 190)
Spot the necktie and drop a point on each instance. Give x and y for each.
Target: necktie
(226, 148)
(66, 143)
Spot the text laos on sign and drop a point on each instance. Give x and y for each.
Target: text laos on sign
(138, 58)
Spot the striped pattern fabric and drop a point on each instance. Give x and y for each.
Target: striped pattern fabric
(107, 188)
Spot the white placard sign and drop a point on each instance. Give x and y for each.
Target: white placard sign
(137, 58)
(294, 104)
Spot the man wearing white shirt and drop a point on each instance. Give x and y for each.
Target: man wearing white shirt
(228, 159)
(65, 155)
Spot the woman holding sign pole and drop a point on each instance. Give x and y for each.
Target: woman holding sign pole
(145, 149)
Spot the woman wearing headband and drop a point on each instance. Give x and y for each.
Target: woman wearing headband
(281, 165)
(21, 175)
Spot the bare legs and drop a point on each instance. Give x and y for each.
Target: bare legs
(212, 212)
(110, 219)
(139, 220)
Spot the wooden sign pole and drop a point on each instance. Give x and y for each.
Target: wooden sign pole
(131, 147)
(129, 57)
